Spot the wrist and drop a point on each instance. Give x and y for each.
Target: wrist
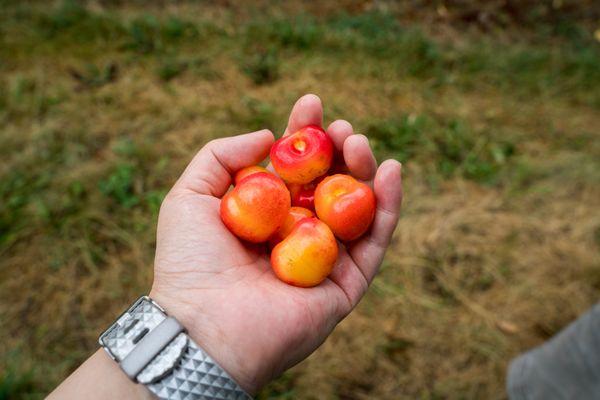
(89, 382)
(204, 328)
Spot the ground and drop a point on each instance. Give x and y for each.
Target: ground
(494, 112)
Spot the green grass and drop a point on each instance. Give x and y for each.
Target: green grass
(101, 108)
(452, 147)
(571, 66)
(14, 386)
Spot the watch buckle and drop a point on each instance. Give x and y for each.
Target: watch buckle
(122, 319)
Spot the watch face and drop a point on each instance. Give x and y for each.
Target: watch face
(123, 335)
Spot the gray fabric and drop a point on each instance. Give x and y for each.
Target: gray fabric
(565, 367)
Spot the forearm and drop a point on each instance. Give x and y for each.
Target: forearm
(98, 378)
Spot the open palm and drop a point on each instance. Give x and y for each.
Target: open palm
(223, 289)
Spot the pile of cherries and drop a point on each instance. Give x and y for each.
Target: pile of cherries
(280, 209)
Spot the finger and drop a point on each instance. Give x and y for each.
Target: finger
(338, 131)
(308, 110)
(359, 158)
(211, 169)
(368, 252)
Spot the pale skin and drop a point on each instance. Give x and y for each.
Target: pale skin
(224, 291)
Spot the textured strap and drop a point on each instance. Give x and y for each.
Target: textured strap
(197, 376)
(152, 349)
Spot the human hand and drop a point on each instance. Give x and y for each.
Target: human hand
(224, 291)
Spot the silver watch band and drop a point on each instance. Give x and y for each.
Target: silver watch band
(154, 350)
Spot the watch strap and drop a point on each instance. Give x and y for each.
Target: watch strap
(151, 345)
(197, 376)
(154, 350)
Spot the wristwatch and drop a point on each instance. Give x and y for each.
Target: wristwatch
(153, 349)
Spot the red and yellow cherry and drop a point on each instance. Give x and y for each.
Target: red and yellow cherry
(303, 195)
(302, 156)
(294, 215)
(256, 208)
(307, 255)
(244, 172)
(346, 205)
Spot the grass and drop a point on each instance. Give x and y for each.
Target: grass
(16, 386)
(452, 147)
(101, 107)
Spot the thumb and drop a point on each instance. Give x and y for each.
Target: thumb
(211, 169)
